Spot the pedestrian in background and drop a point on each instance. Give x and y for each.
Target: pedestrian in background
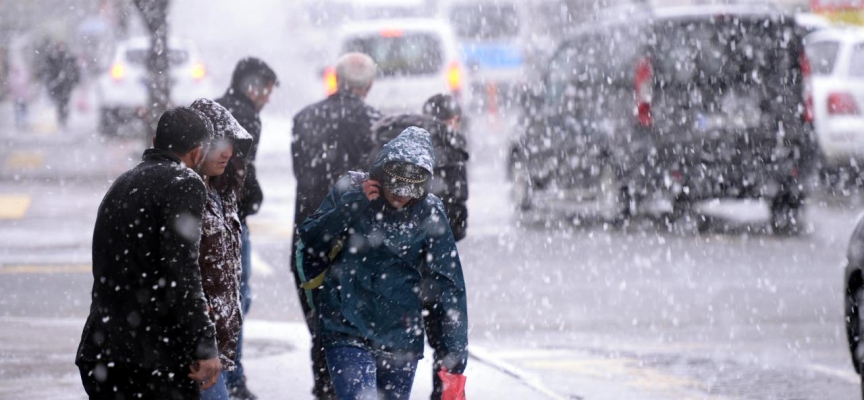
(148, 334)
(441, 117)
(21, 91)
(252, 83)
(61, 74)
(396, 236)
(223, 174)
(330, 138)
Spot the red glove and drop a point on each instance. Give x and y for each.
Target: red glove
(454, 385)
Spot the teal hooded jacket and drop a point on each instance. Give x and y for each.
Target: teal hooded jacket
(371, 296)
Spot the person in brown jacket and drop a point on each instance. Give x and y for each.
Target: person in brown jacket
(223, 171)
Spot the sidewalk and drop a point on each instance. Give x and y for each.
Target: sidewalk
(37, 362)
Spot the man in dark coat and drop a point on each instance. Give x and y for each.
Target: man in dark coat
(330, 138)
(251, 85)
(148, 326)
(61, 73)
(441, 118)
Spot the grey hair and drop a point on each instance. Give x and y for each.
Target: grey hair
(355, 71)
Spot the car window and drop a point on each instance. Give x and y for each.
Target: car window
(484, 21)
(399, 54)
(856, 61)
(823, 56)
(139, 56)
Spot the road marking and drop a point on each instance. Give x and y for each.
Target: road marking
(259, 266)
(25, 160)
(843, 374)
(14, 206)
(532, 381)
(45, 269)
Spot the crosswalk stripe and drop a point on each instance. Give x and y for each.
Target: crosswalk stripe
(25, 160)
(14, 206)
(45, 269)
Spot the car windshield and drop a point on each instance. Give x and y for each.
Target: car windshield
(856, 61)
(139, 56)
(484, 21)
(823, 56)
(400, 54)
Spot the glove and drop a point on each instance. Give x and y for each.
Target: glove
(453, 385)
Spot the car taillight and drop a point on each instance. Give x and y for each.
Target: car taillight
(330, 83)
(644, 91)
(198, 71)
(118, 71)
(454, 76)
(842, 104)
(807, 80)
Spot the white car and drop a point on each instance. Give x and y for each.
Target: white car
(416, 59)
(837, 63)
(122, 91)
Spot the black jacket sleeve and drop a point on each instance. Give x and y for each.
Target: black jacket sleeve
(252, 196)
(179, 247)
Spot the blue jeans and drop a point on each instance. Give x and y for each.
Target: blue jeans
(218, 391)
(236, 378)
(358, 374)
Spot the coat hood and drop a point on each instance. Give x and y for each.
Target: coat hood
(225, 126)
(413, 145)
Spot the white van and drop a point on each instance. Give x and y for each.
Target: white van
(416, 59)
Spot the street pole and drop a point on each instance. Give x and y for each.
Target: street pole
(155, 14)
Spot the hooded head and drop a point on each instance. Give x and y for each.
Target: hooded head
(225, 127)
(405, 165)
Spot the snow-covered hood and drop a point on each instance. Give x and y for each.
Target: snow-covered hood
(225, 126)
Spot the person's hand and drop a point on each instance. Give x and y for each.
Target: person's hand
(206, 372)
(372, 189)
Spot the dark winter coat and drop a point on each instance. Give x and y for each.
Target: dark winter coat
(450, 180)
(854, 292)
(148, 309)
(221, 229)
(329, 138)
(61, 73)
(370, 297)
(245, 113)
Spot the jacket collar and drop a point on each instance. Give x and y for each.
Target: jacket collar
(346, 94)
(160, 155)
(239, 99)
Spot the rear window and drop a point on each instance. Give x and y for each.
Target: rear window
(823, 57)
(856, 61)
(722, 50)
(400, 54)
(139, 56)
(484, 21)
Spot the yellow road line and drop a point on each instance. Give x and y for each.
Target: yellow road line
(45, 269)
(14, 206)
(25, 160)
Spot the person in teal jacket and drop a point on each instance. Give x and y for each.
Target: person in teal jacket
(387, 233)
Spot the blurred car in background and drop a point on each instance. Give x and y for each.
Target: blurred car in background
(416, 59)
(672, 107)
(837, 63)
(122, 90)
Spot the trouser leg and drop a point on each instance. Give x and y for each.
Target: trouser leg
(237, 378)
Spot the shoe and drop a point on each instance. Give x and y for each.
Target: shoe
(241, 393)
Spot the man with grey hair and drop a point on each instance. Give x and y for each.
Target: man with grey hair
(330, 138)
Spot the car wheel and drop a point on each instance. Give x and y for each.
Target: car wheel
(614, 200)
(785, 215)
(522, 188)
(685, 219)
(109, 122)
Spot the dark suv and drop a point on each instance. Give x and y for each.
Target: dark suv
(674, 107)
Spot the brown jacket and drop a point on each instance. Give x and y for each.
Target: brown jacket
(220, 270)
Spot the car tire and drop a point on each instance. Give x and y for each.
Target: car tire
(786, 215)
(109, 122)
(522, 187)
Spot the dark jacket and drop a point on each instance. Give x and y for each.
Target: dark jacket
(221, 229)
(370, 297)
(329, 138)
(60, 72)
(450, 180)
(245, 113)
(854, 292)
(148, 309)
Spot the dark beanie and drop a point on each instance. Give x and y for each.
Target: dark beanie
(442, 107)
(182, 129)
(251, 67)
